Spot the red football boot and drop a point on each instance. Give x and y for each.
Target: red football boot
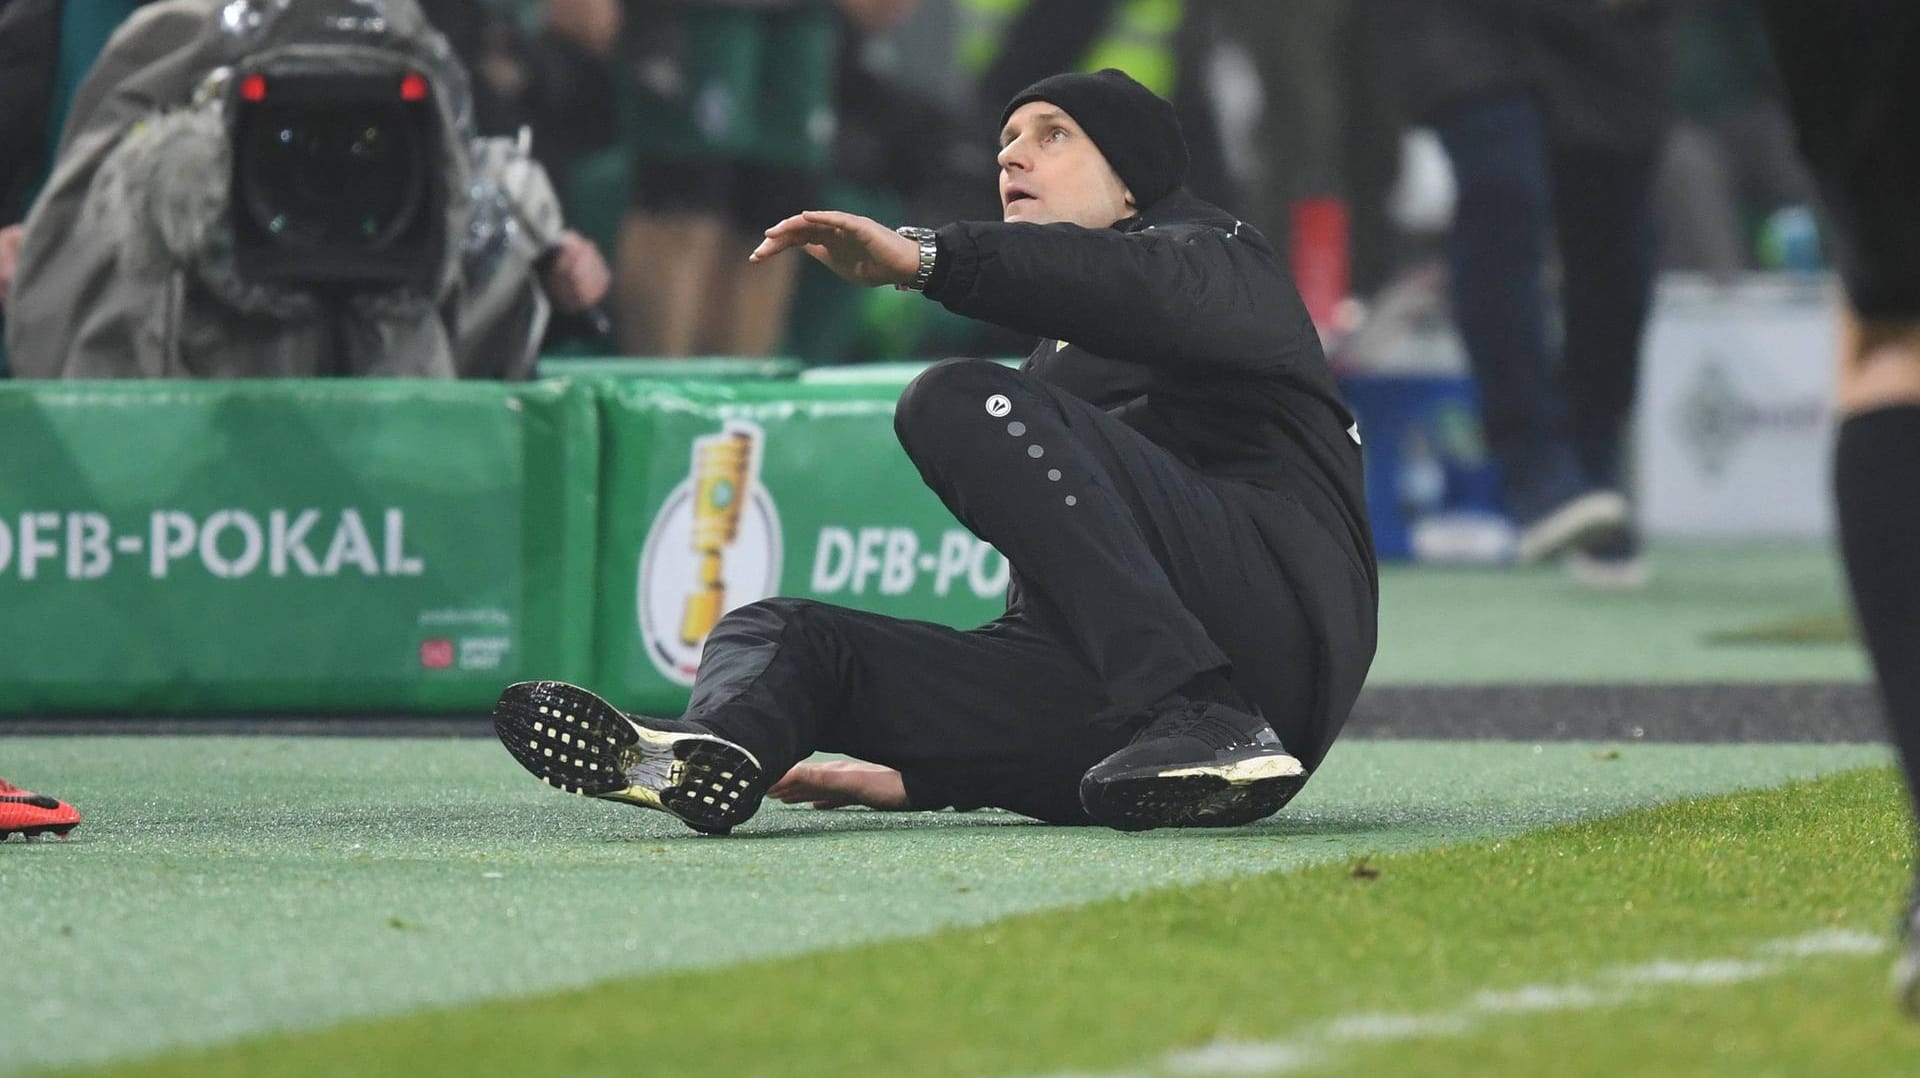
(31, 814)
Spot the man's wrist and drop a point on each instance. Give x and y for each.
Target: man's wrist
(929, 243)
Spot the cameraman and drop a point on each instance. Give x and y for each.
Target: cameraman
(257, 189)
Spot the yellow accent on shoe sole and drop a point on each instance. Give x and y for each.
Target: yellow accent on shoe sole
(1242, 771)
(636, 795)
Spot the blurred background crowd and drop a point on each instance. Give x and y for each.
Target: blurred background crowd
(1400, 152)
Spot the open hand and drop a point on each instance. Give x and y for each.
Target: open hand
(839, 783)
(859, 249)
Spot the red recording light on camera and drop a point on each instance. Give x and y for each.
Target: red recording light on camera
(253, 88)
(414, 87)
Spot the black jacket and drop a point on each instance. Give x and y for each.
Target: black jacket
(29, 49)
(1182, 322)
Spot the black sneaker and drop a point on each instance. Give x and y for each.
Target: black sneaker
(1613, 563)
(1583, 519)
(1906, 968)
(574, 741)
(1193, 765)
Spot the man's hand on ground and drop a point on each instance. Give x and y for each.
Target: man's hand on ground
(577, 277)
(860, 250)
(10, 238)
(839, 783)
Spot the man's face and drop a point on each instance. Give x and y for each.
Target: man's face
(1051, 172)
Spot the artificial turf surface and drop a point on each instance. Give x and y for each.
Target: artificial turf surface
(419, 907)
(1715, 612)
(225, 887)
(1394, 964)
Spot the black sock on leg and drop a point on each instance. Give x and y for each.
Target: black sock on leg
(1877, 486)
(1214, 687)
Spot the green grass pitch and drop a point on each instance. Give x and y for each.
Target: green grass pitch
(300, 906)
(313, 906)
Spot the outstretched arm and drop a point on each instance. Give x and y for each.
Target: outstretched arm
(1182, 294)
(1192, 295)
(859, 249)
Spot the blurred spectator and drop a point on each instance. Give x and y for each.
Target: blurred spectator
(899, 153)
(894, 138)
(10, 238)
(1324, 149)
(1013, 43)
(1732, 193)
(556, 80)
(1552, 112)
(131, 263)
(729, 118)
(46, 49)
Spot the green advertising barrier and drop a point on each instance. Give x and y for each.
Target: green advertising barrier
(379, 547)
(896, 373)
(716, 495)
(718, 368)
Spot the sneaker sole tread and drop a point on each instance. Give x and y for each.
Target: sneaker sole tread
(1228, 793)
(59, 829)
(574, 741)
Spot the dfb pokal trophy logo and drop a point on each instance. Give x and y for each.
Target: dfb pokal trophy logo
(714, 546)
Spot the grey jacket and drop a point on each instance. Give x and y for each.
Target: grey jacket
(128, 271)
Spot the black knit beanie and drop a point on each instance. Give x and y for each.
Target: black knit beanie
(1135, 129)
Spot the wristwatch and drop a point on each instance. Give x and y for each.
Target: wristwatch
(929, 242)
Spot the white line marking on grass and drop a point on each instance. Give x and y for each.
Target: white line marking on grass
(1541, 998)
(1706, 974)
(1237, 1057)
(1825, 942)
(1618, 987)
(1394, 1027)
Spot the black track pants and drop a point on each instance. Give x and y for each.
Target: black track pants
(1134, 574)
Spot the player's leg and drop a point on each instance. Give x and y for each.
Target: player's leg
(682, 109)
(1014, 465)
(668, 252)
(998, 716)
(1497, 252)
(752, 301)
(1877, 495)
(1162, 580)
(786, 136)
(1603, 220)
(1852, 75)
(1497, 255)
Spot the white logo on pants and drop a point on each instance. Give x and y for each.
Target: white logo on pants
(998, 405)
